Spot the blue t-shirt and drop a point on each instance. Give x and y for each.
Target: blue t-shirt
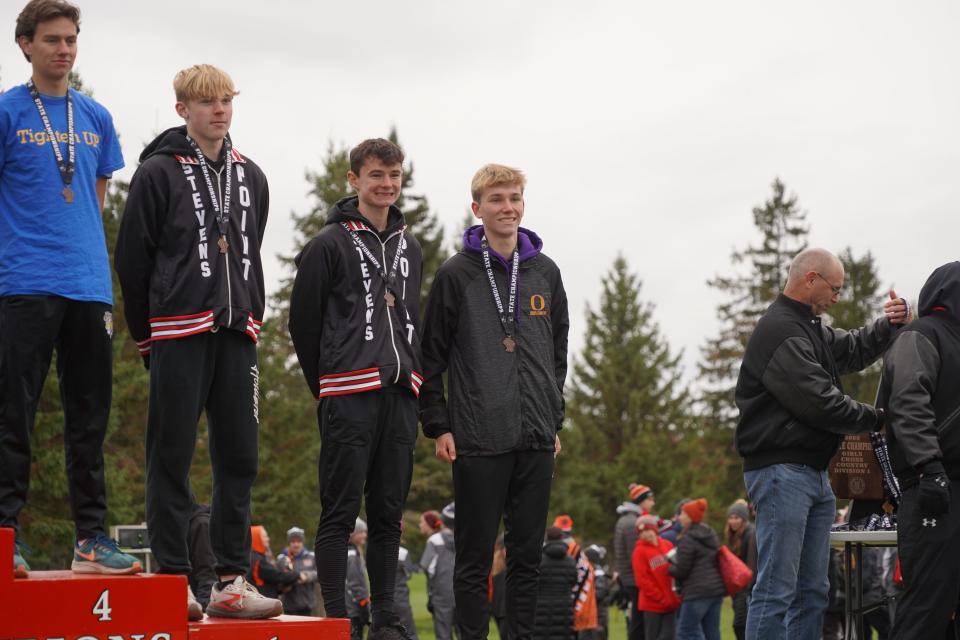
(47, 246)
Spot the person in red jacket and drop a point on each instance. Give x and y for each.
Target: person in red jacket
(657, 600)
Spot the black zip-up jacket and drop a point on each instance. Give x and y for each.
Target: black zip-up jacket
(696, 567)
(792, 405)
(175, 281)
(347, 338)
(920, 386)
(498, 401)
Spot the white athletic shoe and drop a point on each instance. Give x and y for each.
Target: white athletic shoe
(240, 599)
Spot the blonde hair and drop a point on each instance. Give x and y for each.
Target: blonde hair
(202, 81)
(496, 175)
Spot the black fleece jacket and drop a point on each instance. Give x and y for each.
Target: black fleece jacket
(920, 386)
(792, 405)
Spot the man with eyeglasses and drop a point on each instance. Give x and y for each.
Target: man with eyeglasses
(793, 415)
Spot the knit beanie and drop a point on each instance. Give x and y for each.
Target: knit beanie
(449, 514)
(739, 508)
(564, 523)
(648, 522)
(294, 533)
(639, 492)
(696, 509)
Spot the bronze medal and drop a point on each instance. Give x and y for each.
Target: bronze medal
(68, 195)
(390, 298)
(509, 344)
(222, 243)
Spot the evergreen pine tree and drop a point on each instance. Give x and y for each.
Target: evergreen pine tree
(860, 303)
(761, 273)
(626, 410)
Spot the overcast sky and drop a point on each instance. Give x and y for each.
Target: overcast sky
(647, 128)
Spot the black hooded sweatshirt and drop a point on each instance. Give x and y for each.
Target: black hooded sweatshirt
(347, 338)
(920, 386)
(175, 281)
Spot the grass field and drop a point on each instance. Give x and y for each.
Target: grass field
(418, 600)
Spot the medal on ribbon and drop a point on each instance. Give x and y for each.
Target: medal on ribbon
(507, 316)
(389, 279)
(68, 165)
(222, 213)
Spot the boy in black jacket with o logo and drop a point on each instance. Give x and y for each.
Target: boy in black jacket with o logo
(496, 322)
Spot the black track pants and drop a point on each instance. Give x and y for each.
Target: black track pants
(930, 564)
(515, 486)
(366, 452)
(31, 329)
(216, 372)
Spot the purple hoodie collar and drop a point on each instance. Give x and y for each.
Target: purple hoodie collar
(528, 243)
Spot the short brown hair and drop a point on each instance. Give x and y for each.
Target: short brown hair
(386, 151)
(38, 11)
(202, 81)
(496, 175)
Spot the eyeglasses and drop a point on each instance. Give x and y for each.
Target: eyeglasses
(836, 290)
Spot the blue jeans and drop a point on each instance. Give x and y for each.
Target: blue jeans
(699, 619)
(795, 508)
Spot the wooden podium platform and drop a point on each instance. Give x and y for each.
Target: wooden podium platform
(62, 605)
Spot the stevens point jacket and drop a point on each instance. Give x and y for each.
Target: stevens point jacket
(498, 401)
(175, 281)
(347, 338)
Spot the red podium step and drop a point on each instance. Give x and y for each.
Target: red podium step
(62, 605)
(282, 628)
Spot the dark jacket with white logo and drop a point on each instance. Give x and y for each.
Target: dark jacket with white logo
(498, 401)
(792, 405)
(347, 338)
(920, 387)
(175, 281)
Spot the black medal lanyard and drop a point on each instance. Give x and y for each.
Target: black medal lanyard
(507, 320)
(223, 215)
(389, 279)
(66, 167)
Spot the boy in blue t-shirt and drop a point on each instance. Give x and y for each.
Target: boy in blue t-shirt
(57, 150)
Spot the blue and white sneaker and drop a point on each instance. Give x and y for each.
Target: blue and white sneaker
(20, 567)
(102, 555)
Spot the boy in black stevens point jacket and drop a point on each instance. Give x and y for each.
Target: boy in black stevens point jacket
(496, 322)
(354, 316)
(188, 259)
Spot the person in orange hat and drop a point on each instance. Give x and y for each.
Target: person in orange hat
(701, 585)
(657, 600)
(264, 573)
(641, 501)
(585, 616)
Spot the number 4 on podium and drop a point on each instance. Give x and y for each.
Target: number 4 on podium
(102, 607)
